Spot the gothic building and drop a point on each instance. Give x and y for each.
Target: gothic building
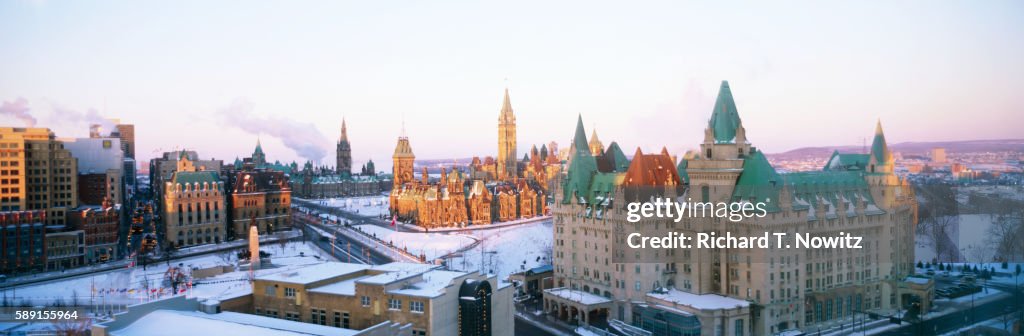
(491, 191)
(321, 182)
(731, 291)
(507, 167)
(344, 152)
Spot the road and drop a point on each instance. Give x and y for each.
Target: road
(525, 328)
(341, 247)
(957, 320)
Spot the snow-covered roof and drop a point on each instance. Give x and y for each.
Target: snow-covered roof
(699, 301)
(918, 280)
(173, 322)
(577, 296)
(314, 273)
(433, 284)
(344, 287)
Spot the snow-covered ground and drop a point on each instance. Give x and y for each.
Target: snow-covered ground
(434, 245)
(515, 249)
(363, 205)
(127, 286)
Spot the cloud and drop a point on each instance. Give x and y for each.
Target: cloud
(18, 109)
(303, 138)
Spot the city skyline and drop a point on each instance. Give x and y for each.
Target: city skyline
(643, 76)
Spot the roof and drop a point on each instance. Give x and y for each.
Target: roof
(506, 115)
(196, 177)
(577, 296)
(616, 158)
(433, 284)
(724, 119)
(759, 182)
(344, 287)
(879, 149)
(314, 273)
(172, 322)
(699, 301)
(403, 149)
(850, 161)
(582, 166)
(651, 170)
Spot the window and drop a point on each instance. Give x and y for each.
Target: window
(366, 301)
(419, 332)
(289, 292)
(637, 285)
(738, 327)
(416, 306)
(270, 291)
(394, 304)
(345, 320)
(337, 320)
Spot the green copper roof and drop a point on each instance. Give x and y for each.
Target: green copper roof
(839, 162)
(724, 119)
(259, 147)
(619, 160)
(759, 182)
(681, 169)
(581, 169)
(878, 147)
(197, 177)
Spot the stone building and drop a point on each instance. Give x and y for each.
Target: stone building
(162, 168)
(64, 248)
(354, 296)
(732, 291)
(507, 166)
(193, 206)
(100, 225)
(503, 186)
(37, 172)
(344, 152)
(259, 195)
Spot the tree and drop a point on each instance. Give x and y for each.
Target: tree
(919, 264)
(1005, 265)
(942, 267)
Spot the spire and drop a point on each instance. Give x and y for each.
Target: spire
(506, 110)
(259, 147)
(344, 131)
(724, 119)
(580, 141)
(879, 148)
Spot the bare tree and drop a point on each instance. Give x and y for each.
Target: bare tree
(72, 327)
(226, 257)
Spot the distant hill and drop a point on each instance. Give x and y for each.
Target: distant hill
(912, 148)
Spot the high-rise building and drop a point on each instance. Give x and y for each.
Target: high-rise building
(733, 291)
(100, 169)
(344, 152)
(126, 132)
(37, 172)
(507, 166)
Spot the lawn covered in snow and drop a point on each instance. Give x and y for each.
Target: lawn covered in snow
(515, 249)
(363, 205)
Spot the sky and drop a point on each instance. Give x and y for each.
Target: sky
(214, 76)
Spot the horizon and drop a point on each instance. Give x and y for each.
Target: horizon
(644, 76)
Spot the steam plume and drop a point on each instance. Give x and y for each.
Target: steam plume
(303, 138)
(19, 110)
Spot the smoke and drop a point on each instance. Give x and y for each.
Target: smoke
(68, 116)
(303, 138)
(19, 110)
